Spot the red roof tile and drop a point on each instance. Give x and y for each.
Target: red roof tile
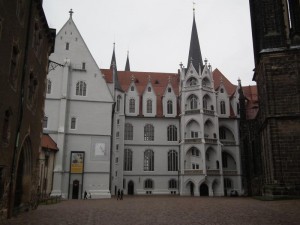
(160, 82)
(47, 142)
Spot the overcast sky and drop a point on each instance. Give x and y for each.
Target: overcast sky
(157, 32)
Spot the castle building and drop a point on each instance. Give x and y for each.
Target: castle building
(177, 133)
(276, 43)
(26, 41)
(141, 132)
(78, 111)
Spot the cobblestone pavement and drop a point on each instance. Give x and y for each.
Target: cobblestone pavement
(158, 210)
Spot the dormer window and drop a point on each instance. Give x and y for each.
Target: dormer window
(169, 107)
(223, 108)
(132, 88)
(67, 46)
(149, 106)
(149, 89)
(222, 90)
(169, 90)
(132, 106)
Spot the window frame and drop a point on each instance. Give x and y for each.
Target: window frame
(170, 107)
(128, 156)
(148, 132)
(222, 107)
(148, 184)
(149, 160)
(132, 105)
(73, 123)
(172, 133)
(149, 106)
(128, 134)
(81, 88)
(172, 160)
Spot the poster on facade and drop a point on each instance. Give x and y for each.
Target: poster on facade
(99, 149)
(77, 159)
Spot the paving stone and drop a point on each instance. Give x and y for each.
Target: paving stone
(163, 210)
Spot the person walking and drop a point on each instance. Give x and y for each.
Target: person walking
(122, 194)
(85, 195)
(119, 194)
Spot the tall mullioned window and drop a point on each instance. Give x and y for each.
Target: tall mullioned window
(118, 103)
(172, 184)
(193, 102)
(149, 106)
(172, 160)
(148, 160)
(223, 107)
(81, 88)
(172, 133)
(148, 184)
(149, 133)
(132, 105)
(170, 107)
(128, 131)
(127, 160)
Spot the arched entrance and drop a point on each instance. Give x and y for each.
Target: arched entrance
(75, 189)
(19, 181)
(130, 188)
(192, 188)
(203, 190)
(23, 182)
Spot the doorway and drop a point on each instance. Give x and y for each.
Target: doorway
(130, 188)
(203, 190)
(75, 189)
(192, 188)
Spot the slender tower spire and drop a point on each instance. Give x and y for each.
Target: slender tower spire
(113, 67)
(127, 66)
(195, 56)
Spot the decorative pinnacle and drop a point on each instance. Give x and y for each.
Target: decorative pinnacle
(132, 78)
(169, 79)
(194, 7)
(205, 61)
(71, 12)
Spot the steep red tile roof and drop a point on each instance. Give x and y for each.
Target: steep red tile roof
(218, 77)
(159, 83)
(47, 142)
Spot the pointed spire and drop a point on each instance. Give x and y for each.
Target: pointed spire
(127, 66)
(113, 58)
(195, 56)
(113, 67)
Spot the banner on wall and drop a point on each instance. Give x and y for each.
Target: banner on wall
(77, 160)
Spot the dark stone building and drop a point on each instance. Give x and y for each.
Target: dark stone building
(276, 42)
(25, 44)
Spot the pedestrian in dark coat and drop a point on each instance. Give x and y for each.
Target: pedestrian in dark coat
(85, 195)
(119, 195)
(122, 194)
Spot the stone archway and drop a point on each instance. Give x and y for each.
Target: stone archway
(23, 182)
(204, 190)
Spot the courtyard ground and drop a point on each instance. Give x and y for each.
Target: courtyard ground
(159, 210)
